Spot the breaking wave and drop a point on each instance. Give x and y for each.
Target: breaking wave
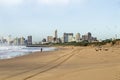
(7, 52)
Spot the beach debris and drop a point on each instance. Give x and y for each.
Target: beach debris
(101, 48)
(105, 49)
(98, 48)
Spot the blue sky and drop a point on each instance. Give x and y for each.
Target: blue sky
(40, 18)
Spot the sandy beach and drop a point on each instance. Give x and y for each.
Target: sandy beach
(68, 63)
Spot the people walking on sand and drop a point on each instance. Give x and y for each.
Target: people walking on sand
(41, 49)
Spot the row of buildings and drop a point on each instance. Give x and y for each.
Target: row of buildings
(69, 37)
(16, 41)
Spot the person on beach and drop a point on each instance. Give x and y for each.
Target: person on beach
(41, 49)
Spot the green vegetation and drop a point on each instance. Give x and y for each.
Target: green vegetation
(86, 43)
(83, 43)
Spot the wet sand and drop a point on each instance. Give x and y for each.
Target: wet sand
(68, 63)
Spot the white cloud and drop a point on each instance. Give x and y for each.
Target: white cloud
(10, 2)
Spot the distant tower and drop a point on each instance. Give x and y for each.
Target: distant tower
(29, 41)
(55, 39)
(56, 36)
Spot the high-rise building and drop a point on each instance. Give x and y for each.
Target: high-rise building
(68, 37)
(50, 39)
(16, 41)
(55, 39)
(84, 37)
(77, 37)
(56, 35)
(3, 40)
(22, 41)
(29, 40)
(19, 41)
(62, 39)
(89, 37)
(9, 39)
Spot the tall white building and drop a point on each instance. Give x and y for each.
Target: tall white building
(9, 39)
(77, 38)
(19, 41)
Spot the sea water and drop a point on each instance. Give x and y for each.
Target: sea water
(7, 52)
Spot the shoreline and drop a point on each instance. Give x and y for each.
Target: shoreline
(12, 52)
(73, 63)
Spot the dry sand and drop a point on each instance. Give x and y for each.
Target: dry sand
(69, 63)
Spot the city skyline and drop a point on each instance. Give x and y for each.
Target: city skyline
(40, 18)
(66, 38)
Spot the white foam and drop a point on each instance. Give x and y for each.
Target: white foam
(7, 52)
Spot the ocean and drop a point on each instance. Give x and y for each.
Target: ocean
(7, 52)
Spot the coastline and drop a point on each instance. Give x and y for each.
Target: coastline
(66, 63)
(8, 52)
